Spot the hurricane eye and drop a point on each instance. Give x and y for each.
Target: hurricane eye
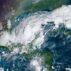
(42, 25)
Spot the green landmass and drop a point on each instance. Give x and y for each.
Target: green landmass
(24, 6)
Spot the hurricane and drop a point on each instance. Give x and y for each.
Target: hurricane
(40, 41)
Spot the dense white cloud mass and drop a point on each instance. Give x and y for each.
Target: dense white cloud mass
(62, 15)
(36, 64)
(30, 32)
